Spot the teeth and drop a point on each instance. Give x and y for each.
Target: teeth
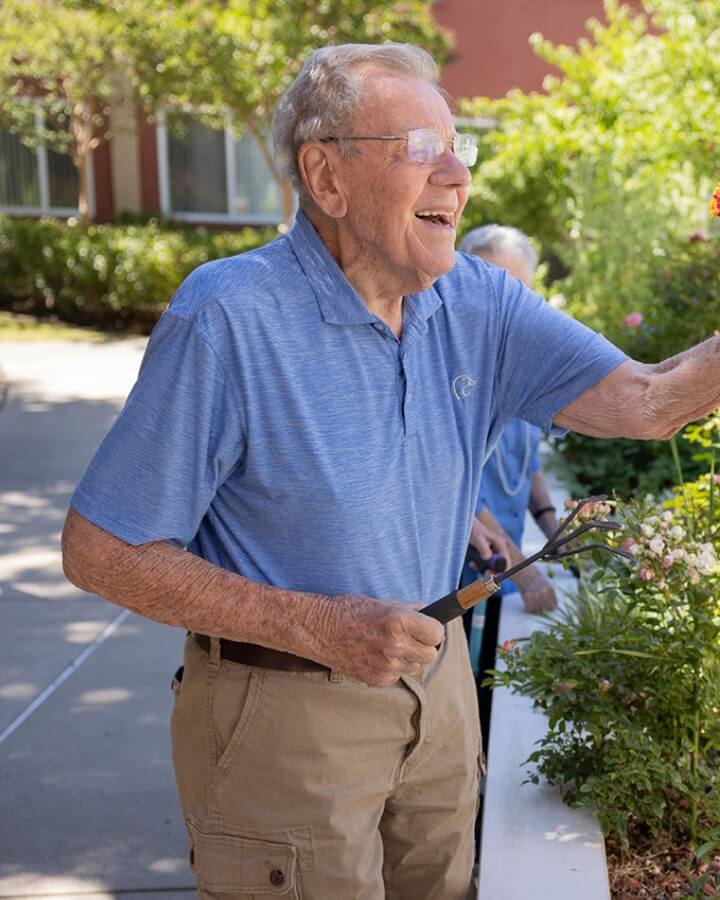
(428, 212)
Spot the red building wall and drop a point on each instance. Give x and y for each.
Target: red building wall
(492, 53)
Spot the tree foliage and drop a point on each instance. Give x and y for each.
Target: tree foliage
(70, 56)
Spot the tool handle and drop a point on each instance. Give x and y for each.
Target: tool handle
(445, 609)
(495, 563)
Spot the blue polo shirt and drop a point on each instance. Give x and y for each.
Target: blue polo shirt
(280, 430)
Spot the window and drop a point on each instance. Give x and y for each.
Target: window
(207, 175)
(38, 181)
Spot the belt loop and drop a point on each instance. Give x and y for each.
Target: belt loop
(214, 655)
(335, 677)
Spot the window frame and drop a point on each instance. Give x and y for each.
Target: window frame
(43, 172)
(200, 218)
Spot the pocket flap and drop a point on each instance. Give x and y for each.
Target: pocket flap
(227, 863)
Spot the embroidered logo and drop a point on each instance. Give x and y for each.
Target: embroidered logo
(463, 386)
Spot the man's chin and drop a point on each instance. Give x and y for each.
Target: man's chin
(436, 268)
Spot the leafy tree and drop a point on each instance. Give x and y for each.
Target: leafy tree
(68, 55)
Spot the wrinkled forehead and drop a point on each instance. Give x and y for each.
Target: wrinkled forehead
(393, 103)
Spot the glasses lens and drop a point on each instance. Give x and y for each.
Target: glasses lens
(465, 147)
(424, 145)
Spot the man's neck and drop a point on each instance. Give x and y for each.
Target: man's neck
(372, 285)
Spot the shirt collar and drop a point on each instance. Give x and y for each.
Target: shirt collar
(339, 302)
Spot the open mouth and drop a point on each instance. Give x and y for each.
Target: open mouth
(433, 217)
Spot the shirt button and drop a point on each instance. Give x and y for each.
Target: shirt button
(277, 877)
(377, 326)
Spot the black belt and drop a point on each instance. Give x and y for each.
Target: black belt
(263, 657)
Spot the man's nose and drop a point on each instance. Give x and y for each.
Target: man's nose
(450, 171)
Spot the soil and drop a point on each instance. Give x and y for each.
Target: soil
(654, 872)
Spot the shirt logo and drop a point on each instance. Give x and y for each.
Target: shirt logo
(463, 386)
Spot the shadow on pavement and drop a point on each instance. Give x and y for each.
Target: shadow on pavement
(88, 806)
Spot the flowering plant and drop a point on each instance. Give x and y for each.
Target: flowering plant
(629, 674)
(715, 202)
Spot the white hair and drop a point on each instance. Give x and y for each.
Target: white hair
(495, 239)
(326, 93)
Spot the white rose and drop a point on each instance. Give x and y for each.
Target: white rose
(657, 545)
(706, 563)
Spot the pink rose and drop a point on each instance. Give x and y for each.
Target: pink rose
(645, 574)
(633, 320)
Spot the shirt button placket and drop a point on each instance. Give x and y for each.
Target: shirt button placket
(408, 398)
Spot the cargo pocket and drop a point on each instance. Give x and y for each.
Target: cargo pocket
(228, 866)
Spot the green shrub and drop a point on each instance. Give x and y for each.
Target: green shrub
(600, 466)
(107, 276)
(683, 300)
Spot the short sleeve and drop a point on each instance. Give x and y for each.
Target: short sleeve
(546, 359)
(178, 437)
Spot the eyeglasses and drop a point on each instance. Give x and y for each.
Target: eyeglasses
(424, 145)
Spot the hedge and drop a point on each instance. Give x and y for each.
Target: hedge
(113, 277)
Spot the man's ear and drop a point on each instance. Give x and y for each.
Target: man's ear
(318, 165)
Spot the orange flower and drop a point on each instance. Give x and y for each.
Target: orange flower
(715, 202)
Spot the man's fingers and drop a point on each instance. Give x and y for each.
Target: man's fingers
(425, 629)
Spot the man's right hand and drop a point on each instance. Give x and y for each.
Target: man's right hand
(377, 641)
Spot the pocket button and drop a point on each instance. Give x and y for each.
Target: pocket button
(277, 877)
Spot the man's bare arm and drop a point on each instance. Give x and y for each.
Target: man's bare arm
(649, 401)
(369, 640)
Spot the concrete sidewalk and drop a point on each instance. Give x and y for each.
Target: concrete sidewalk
(88, 807)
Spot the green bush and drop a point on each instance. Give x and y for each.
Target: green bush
(679, 302)
(683, 300)
(108, 276)
(591, 466)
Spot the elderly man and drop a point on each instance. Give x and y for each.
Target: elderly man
(294, 473)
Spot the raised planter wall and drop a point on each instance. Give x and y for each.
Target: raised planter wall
(534, 847)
